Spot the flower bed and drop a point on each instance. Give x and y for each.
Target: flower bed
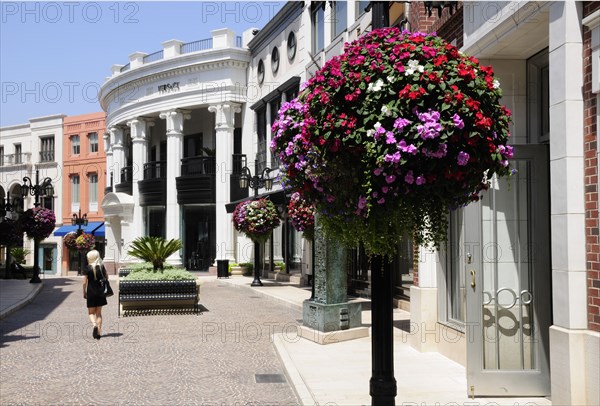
(412, 128)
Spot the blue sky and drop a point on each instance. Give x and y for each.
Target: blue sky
(54, 56)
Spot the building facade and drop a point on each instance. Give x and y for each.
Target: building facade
(30, 150)
(514, 294)
(83, 182)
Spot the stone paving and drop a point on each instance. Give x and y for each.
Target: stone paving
(47, 354)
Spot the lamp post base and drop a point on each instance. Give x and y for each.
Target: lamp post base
(256, 282)
(36, 275)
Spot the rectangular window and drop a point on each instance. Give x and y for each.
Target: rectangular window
(93, 182)
(93, 137)
(75, 193)
(75, 145)
(275, 104)
(18, 154)
(261, 131)
(1, 156)
(48, 202)
(318, 26)
(362, 6)
(47, 149)
(340, 17)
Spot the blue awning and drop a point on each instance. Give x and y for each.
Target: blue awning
(93, 227)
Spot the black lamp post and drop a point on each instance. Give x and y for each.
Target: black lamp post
(79, 220)
(36, 190)
(5, 208)
(256, 182)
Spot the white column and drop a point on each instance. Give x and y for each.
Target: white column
(567, 216)
(139, 128)
(108, 152)
(174, 119)
(224, 126)
(118, 159)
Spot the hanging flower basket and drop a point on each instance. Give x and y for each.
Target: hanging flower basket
(38, 223)
(412, 128)
(302, 215)
(69, 240)
(9, 233)
(256, 219)
(83, 242)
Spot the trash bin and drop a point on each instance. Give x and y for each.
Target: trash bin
(222, 268)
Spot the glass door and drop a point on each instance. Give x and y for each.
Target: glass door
(507, 271)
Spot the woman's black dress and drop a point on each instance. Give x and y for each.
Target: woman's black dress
(93, 298)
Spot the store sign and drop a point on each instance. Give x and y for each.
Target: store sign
(169, 87)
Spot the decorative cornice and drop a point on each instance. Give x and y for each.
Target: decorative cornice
(193, 65)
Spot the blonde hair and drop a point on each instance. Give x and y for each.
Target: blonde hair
(94, 260)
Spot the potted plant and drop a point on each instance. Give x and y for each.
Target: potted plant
(155, 250)
(19, 255)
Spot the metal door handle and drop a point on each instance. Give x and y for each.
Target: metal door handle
(472, 278)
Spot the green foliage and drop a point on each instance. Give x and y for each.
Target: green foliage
(249, 268)
(280, 265)
(146, 266)
(154, 249)
(171, 274)
(19, 254)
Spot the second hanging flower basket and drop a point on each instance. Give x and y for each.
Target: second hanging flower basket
(256, 219)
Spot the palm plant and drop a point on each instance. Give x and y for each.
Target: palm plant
(154, 249)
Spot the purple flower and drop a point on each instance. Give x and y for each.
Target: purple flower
(420, 180)
(385, 189)
(390, 139)
(400, 123)
(463, 158)
(458, 122)
(381, 201)
(408, 178)
(390, 178)
(377, 171)
(395, 157)
(362, 202)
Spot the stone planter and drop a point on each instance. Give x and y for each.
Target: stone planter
(158, 294)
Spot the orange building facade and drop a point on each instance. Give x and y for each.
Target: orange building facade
(84, 179)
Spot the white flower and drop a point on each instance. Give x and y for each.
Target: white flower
(377, 125)
(413, 66)
(375, 87)
(385, 110)
(391, 79)
(370, 133)
(496, 84)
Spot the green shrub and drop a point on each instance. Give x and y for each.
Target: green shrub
(154, 249)
(19, 254)
(249, 268)
(171, 274)
(281, 265)
(231, 265)
(145, 266)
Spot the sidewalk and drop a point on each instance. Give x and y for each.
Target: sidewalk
(16, 293)
(339, 373)
(335, 373)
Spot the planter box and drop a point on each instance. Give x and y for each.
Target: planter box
(151, 295)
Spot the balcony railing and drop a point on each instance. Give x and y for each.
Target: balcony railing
(155, 170)
(15, 159)
(127, 174)
(156, 56)
(238, 41)
(126, 67)
(195, 46)
(198, 165)
(46, 156)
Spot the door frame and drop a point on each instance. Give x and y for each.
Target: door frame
(495, 382)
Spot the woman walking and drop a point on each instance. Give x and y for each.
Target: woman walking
(95, 271)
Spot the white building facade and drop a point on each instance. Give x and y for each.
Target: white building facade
(27, 149)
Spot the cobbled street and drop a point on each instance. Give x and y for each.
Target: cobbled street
(48, 355)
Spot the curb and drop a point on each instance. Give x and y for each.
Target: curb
(295, 378)
(28, 299)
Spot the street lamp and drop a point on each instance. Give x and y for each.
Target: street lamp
(79, 220)
(5, 209)
(37, 190)
(256, 182)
